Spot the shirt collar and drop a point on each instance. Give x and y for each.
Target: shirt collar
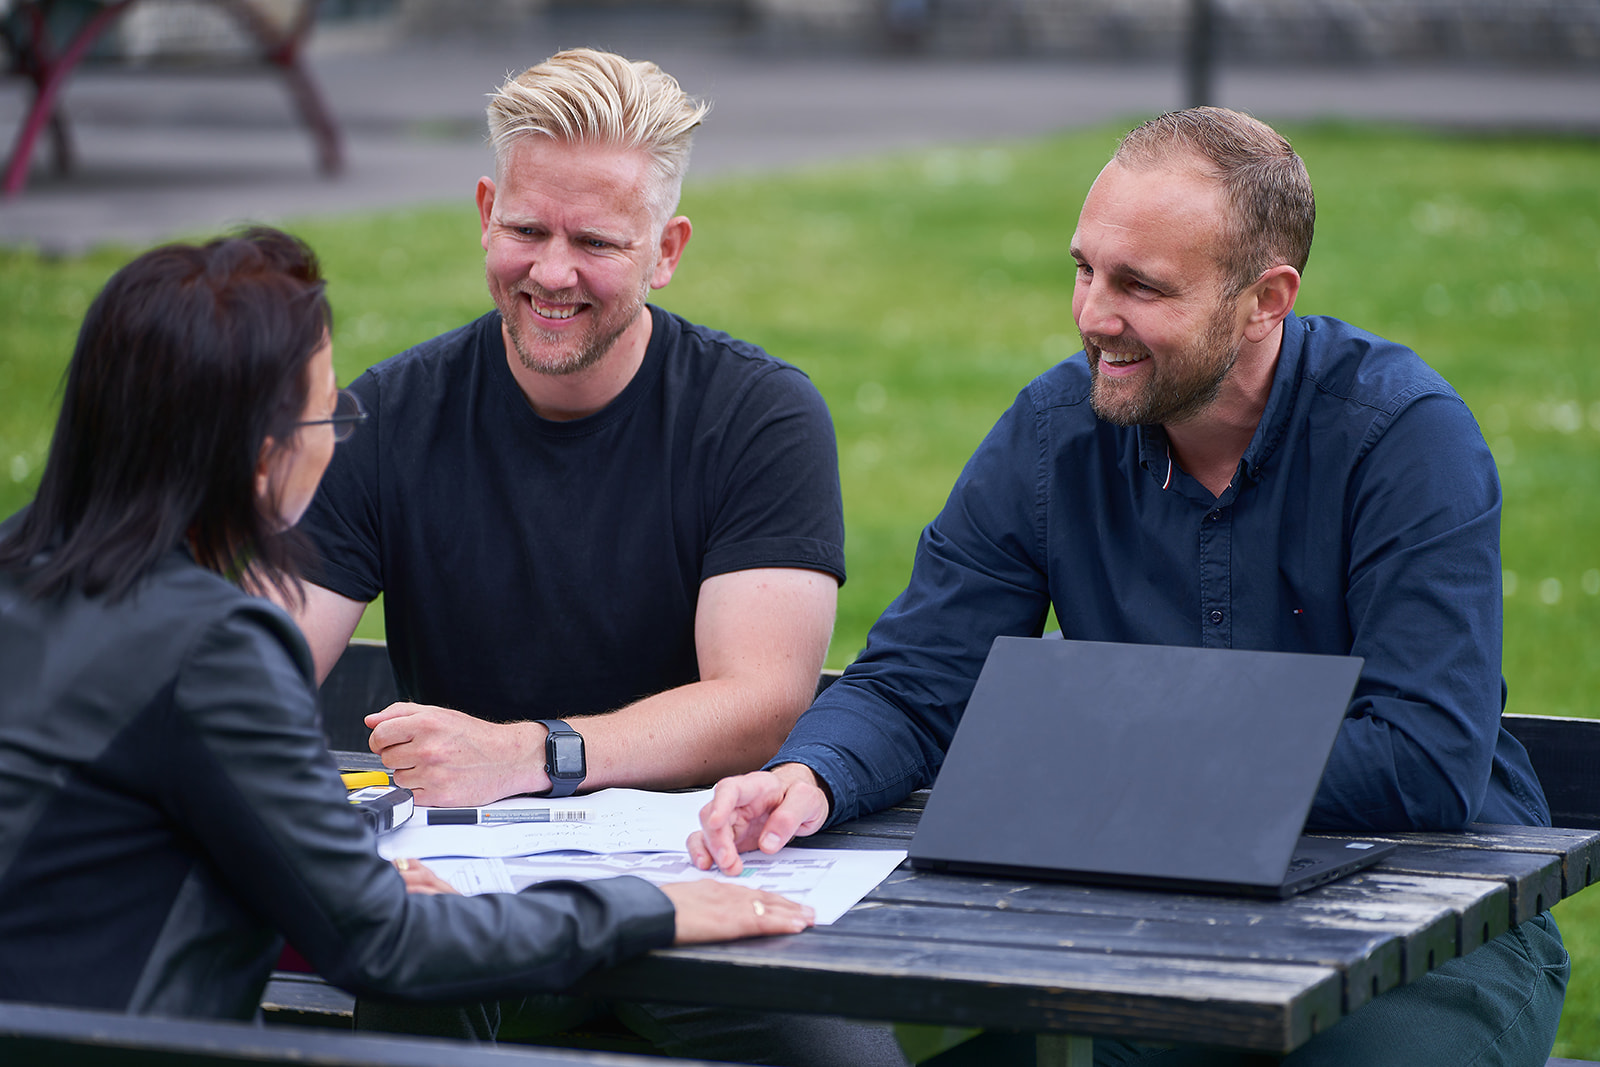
(1279, 412)
(1156, 457)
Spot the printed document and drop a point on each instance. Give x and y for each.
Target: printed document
(831, 881)
(611, 820)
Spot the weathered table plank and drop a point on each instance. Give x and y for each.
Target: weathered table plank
(1369, 961)
(306, 1000)
(1379, 930)
(1577, 851)
(1242, 1004)
(1532, 881)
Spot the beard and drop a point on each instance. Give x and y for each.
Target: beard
(1180, 385)
(582, 352)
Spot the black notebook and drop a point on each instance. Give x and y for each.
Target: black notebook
(1151, 766)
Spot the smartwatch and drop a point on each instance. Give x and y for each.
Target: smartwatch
(563, 758)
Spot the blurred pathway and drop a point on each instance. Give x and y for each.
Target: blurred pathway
(162, 155)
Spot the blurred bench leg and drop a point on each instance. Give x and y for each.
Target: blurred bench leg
(49, 73)
(282, 49)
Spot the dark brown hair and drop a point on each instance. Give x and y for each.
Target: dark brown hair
(187, 361)
(1273, 211)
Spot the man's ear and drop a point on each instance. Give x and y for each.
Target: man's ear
(674, 239)
(1270, 300)
(485, 209)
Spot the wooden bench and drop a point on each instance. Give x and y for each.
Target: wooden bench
(360, 683)
(1565, 753)
(1566, 756)
(29, 32)
(70, 1037)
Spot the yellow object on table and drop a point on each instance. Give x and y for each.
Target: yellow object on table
(362, 779)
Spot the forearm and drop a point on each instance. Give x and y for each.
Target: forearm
(1378, 779)
(688, 736)
(252, 786)
(498, 945)
(692, 735)
(882, 730)
(865, 750)
(761, 636)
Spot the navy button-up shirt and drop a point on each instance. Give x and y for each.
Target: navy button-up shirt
(1364, 519)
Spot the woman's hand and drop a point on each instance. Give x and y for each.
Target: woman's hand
(709, 910)
(420, 879)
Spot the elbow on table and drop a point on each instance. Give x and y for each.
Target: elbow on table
(1446, 796)
(1438, 802)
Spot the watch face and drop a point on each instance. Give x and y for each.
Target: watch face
(566, 756)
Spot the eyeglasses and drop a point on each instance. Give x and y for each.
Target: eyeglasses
(347, 415)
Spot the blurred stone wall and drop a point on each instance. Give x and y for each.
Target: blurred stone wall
(1507, 32)
(1342, 31)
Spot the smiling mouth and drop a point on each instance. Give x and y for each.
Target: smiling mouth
(1122, 359)
(554, 312)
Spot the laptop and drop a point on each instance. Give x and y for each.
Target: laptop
(1150, 766)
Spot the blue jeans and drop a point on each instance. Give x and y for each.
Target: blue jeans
(1498, 1005)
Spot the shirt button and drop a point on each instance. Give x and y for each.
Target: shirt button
(1216, 616)
(1213, 516)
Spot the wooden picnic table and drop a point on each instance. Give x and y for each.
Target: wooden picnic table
(1070, 961)
(33, 25)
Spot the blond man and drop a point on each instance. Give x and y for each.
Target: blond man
(609, 540)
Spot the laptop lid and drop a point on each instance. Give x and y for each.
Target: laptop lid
(1148, 765)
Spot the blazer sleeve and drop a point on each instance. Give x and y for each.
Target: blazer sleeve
(252, 780)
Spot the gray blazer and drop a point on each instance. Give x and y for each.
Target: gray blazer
(169, 813)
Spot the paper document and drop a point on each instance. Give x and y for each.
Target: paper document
(831, 881)
(474, 876)
(612, 820)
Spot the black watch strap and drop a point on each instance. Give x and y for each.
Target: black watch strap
(564, 760)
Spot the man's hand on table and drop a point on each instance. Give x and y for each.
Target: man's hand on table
(763, 810)
(450, 759)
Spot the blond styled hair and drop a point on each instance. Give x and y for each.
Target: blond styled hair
(583, 96)
(1273, 212)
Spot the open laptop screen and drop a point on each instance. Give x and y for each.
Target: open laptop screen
(1145, 764)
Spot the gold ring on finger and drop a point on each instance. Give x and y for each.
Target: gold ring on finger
(761, 909)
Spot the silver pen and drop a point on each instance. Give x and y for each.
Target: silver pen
(488, 816)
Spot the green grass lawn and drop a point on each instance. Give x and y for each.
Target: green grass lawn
(921, 292)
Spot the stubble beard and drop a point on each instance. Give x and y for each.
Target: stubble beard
(1181, 385)
(588, 350)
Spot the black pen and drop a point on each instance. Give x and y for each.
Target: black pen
(482, 816)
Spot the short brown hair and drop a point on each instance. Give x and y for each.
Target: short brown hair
(583, 96)
(1273, 211)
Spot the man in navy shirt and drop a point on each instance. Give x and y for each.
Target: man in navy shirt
(1215, 471)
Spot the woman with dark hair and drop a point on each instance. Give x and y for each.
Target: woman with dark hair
(168, 810)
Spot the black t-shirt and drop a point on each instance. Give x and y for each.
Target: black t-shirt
(534, 568)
